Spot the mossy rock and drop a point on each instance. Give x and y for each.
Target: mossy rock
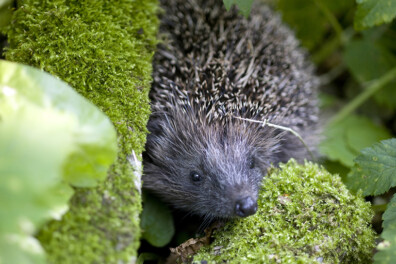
(103, 49)
(305, 215)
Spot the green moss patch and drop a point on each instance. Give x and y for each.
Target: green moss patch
(103, 49)
(306, 215)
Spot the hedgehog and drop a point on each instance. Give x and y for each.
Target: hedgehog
(215, 74)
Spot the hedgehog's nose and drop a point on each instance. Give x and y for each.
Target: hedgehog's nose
(245, 206)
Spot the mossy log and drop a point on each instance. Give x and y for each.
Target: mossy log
(103, 49)
(305, 215)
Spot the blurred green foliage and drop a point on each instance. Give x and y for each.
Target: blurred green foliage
(353, 44)
(387, 248)
(356, 60)
(45, 125)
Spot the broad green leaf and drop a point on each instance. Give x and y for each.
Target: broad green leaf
(336, 148)
(367, 61)
(156, 222)
(362, 133)
(374, 12)
(243, 5)
(345, 139)
(21, 249)
(228, 3)
(389, 215)
(43, 123)
(387, 249)
(375, 169)
(92, 140)
(5, 3)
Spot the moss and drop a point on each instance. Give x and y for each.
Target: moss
(306, 215)
(103, 49)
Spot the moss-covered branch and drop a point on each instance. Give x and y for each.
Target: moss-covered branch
(103, 49)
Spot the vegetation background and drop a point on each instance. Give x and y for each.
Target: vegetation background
(353, 45)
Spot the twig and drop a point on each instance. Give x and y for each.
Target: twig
(375, 86)
(266, 123)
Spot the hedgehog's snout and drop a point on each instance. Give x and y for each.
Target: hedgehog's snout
(245, 206)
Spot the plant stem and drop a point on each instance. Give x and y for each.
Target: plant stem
(332, 19)
(341, 36)
(375, 86)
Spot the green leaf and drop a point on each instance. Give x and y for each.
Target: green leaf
(387, 249)
(85, 132)
(43, 123)
(377, 61)
(335, 146)
(362, 133)
(21, 249)
(389, 215)
(373, 13)
(156, 222)
(375, 169)
(4, 3)
(345, 139)
(243, 5)
(228, 3)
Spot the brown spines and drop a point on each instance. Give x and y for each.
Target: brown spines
(213, 68)
(226, 65)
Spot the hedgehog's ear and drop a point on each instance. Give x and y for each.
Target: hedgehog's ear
(155, 145)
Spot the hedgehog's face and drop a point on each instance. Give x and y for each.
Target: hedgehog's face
(225, 180)
(212, 175)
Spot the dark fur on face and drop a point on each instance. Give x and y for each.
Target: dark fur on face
(215, 66)
(205, 168)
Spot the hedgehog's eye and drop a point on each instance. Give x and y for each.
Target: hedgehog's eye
(195, 176)
(251, 163)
